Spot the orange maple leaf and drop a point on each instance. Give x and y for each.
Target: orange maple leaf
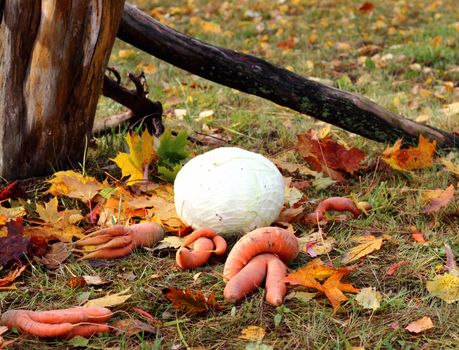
(333, 288)
(194, 302)
(327, 156)
(411, 158)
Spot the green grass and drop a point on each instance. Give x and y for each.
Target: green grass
(262, 126)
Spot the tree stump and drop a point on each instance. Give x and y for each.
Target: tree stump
(53, 55)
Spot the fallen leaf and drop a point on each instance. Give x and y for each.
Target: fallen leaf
(395, 267)
(49, 212)
(445, 286)
(369, 298)
(366, 7)
(334, 288)
(412, 158)
(55, 256)
(12, 190)
(451, 260)
(15, 246)
(76, 281)
(189, 301)
(12, 275)
(253, 333)
(135, 164)
(74, 185)
(367, 245)
(305, 297)
(441, 201)
(420, 325)
(132, 327)
(450, 166)
(327, 156)
(169, 242)
(418, 237)
(109, 300)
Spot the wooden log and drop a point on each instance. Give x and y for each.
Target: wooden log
(250, 74)
(53, 55)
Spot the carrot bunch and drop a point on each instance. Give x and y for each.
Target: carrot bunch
(260, 255)
(118, 241)
(63, 323)
(205, 241)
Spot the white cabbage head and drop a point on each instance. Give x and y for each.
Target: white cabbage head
(230, 190)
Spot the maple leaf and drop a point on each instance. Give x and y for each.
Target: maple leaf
(141, 154)
(412, 158)
(334, 288)
(171, 154)
(440, 201)
(194, 302)
(327, 156)
(74, 185)
(368, 244)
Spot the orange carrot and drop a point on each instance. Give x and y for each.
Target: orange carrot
(190, 259)
(336, 204)
(118, 241)
(273, 240)
(87, 330)
(58, 323)
(146, 234)
(252, 275)
(109, 253)
(219, 241)
(73, 315)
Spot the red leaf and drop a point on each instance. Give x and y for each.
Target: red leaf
(395, 267)
(12, 190)
(327, 156)
(366, 7)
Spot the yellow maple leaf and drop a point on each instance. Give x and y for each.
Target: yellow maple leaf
(411, 158)
(141, 154)
(445, 286)
(74, 185)
(367, 245)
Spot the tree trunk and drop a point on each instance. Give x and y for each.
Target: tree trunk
(53, 55)
(255, 76)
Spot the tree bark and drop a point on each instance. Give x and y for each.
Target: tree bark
(255, 76)
(53, 55)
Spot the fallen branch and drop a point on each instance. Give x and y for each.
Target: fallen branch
(255, 76)
(143, 110)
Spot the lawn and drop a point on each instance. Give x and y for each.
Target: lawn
(403, 55)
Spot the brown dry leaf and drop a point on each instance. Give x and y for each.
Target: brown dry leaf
(12, 275)
(194, 302)
(327, 156)
(441, 201)
(367, 245)
(76, 281)
(411, 158)
(132, 327)
(109, 300)
(420, 325)
(55, 256)
(5, 343)
(253, 333)
(74, 185)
